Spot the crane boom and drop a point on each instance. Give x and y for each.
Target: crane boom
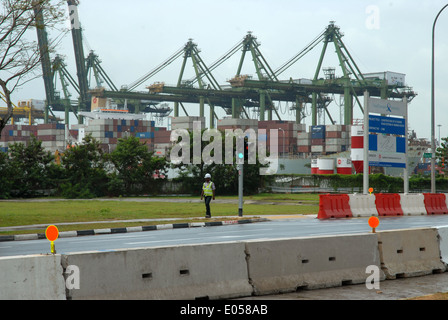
(84, 102)
(47, 73)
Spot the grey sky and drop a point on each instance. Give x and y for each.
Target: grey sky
(133, 37)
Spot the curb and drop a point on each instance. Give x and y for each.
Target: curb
(94, 232)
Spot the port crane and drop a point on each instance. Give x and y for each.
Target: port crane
(246, 92)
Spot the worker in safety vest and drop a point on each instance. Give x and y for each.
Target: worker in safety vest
(208, 191)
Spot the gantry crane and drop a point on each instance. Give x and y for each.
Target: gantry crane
(246, 92)
(351, 85)
(84, 95)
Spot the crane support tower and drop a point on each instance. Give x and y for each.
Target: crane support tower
(47, 74)
(84, 95)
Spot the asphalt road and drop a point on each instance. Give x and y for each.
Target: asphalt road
(278, 227)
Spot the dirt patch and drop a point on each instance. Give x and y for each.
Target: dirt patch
(436, 296)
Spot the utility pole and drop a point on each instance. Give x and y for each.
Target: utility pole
(433, 142)
(240, 189)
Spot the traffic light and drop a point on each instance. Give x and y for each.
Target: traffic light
(246, 149)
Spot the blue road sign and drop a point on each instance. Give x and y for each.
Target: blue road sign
(387, 125)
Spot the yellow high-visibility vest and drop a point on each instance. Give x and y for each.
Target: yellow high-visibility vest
(208, 191)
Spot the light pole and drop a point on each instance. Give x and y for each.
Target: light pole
(433, 138)
(283, 131)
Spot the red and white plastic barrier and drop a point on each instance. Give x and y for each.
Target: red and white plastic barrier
(381, 204)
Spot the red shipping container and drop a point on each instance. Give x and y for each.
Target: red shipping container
(304, 149)
(317, 142)
(333, 134)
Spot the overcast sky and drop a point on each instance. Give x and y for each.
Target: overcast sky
(134, 37)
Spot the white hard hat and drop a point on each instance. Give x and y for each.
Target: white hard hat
(208, 176)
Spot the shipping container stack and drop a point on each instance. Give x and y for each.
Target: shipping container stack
(52, 136)
(16, 134)
(288, 132)
(318, 139)
(186, 122)
(243, 124)
(162, 143)
(108, 131)
(336, 139)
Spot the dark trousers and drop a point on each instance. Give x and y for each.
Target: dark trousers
(207, 206)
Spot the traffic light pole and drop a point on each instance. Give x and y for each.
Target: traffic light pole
(240, 189)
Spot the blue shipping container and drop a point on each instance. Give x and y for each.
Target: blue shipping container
(145, 135)
(318, 132)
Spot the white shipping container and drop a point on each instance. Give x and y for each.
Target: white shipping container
(317, 148)
(303, 135)
(97, 134)
(96, 128)
(333, 148)
(301, 127)
(162, 145)
(334, 127)
(187, 119)
(392, 78)
(334, 141)
(303, 143)
(51, 132)
(160, 152)
(38, 104)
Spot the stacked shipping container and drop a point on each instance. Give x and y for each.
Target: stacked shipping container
(336, 139)
(288, 132)
(108, 131)
(318, 139)
(52, 136)
(162, 141)
(16, 134)
(292, 137)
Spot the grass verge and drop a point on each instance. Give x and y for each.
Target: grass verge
(23, 213)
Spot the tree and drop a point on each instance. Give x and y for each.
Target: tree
(6, 176)
(84, 170)
(225, 176)
(19, 56)
(134, 167)
(442, 155)
(31, 168)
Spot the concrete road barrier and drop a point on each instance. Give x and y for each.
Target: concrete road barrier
(443, 244)
(363, 205)
(289, 264)
(36, 277)
(214, 271)
(410, 252)
(413, 204)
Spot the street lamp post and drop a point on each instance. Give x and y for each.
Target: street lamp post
(283, 131)
(433, 139)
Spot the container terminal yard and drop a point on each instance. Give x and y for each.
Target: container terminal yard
(109, 113)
